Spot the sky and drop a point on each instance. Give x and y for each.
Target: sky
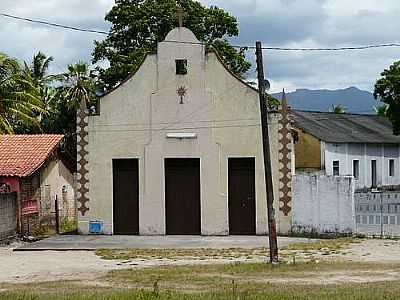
(277, 23)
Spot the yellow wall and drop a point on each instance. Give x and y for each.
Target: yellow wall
(307, 151)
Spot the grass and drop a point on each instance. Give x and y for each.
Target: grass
(323, 247)
(272, 292)
(215, 282)
(126, 254)
(324, 244)
(291, 280)
(254, 275)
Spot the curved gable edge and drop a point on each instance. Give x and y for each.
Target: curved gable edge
(219, 58)
(129, 77)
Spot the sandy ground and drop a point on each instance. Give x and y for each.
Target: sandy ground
(384, 251)
(38, 266)
(18, 267)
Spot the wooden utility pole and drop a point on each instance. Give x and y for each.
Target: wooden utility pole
(273, 243)
(57, 215)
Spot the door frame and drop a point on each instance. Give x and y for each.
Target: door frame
(112, 187)
(255, 186)
(165, 186)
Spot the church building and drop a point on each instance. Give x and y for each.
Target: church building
(176, 149)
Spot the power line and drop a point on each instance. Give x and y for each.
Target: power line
(175, 122)
(346, 48)
(53, 24)
(180, 128)
(302, 48)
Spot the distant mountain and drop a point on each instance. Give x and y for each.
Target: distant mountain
(352, 98)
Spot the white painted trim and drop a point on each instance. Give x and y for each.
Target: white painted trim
(181, 135)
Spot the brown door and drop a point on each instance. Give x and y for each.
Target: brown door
(182, 196)
(126, 196)
(373, 173)
(241, 193)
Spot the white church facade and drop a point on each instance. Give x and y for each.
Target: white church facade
(177, 149)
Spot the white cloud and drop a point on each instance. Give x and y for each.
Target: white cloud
(294, 23)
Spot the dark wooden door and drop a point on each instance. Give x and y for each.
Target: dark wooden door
(182, 196)
(373, 173)
(241, 193)
(126, 196)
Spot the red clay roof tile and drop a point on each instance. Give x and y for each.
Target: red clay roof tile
(22, 154)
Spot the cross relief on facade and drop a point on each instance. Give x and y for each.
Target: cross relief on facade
(180, 15)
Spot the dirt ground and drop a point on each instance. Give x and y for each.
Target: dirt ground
(40, 266)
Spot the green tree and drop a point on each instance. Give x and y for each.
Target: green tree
(272, 103)
(43, 81)
(78, 85)
(338, 109)
(19, 98)
(381, 110)
(387, 90)
(137, 26)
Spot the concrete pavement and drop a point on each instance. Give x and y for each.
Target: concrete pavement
(92, 242)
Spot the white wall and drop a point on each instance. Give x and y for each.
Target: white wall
(323, 204)
(346, 153)
(135, 118)
(56, 179)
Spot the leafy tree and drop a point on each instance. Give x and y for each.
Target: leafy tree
(19, 98)
(272, 102)
(39, 69)
(77, 84)
(381, 110)
(43, 81)
(338, 109)
(387, 90)
(137, 26)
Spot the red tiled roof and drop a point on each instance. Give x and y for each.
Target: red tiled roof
(22, 154)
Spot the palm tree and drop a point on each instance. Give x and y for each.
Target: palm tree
(39, 69)
(78, 85)
(338, 109)
(42, 80)
(19, 98)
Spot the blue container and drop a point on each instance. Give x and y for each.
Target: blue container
(95, 227)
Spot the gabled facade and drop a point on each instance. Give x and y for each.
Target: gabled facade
(177, 149)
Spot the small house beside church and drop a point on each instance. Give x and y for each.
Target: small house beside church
(177, 149)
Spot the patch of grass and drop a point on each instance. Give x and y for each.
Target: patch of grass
(236, 281)
(246, 275)
(44, 231)
(68, 225)
(370, 291)
(324, 245)
(126, 254)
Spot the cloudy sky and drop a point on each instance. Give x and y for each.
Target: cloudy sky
(286, 23)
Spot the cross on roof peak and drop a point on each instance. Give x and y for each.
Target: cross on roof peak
(180, 14)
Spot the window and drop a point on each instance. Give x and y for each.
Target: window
(335, 168)
(356, 168)
(373, 173)
(391, 167)
(181, 66)
(371, 220)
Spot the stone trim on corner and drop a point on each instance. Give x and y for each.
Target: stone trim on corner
(82, 121)
(285, 149)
